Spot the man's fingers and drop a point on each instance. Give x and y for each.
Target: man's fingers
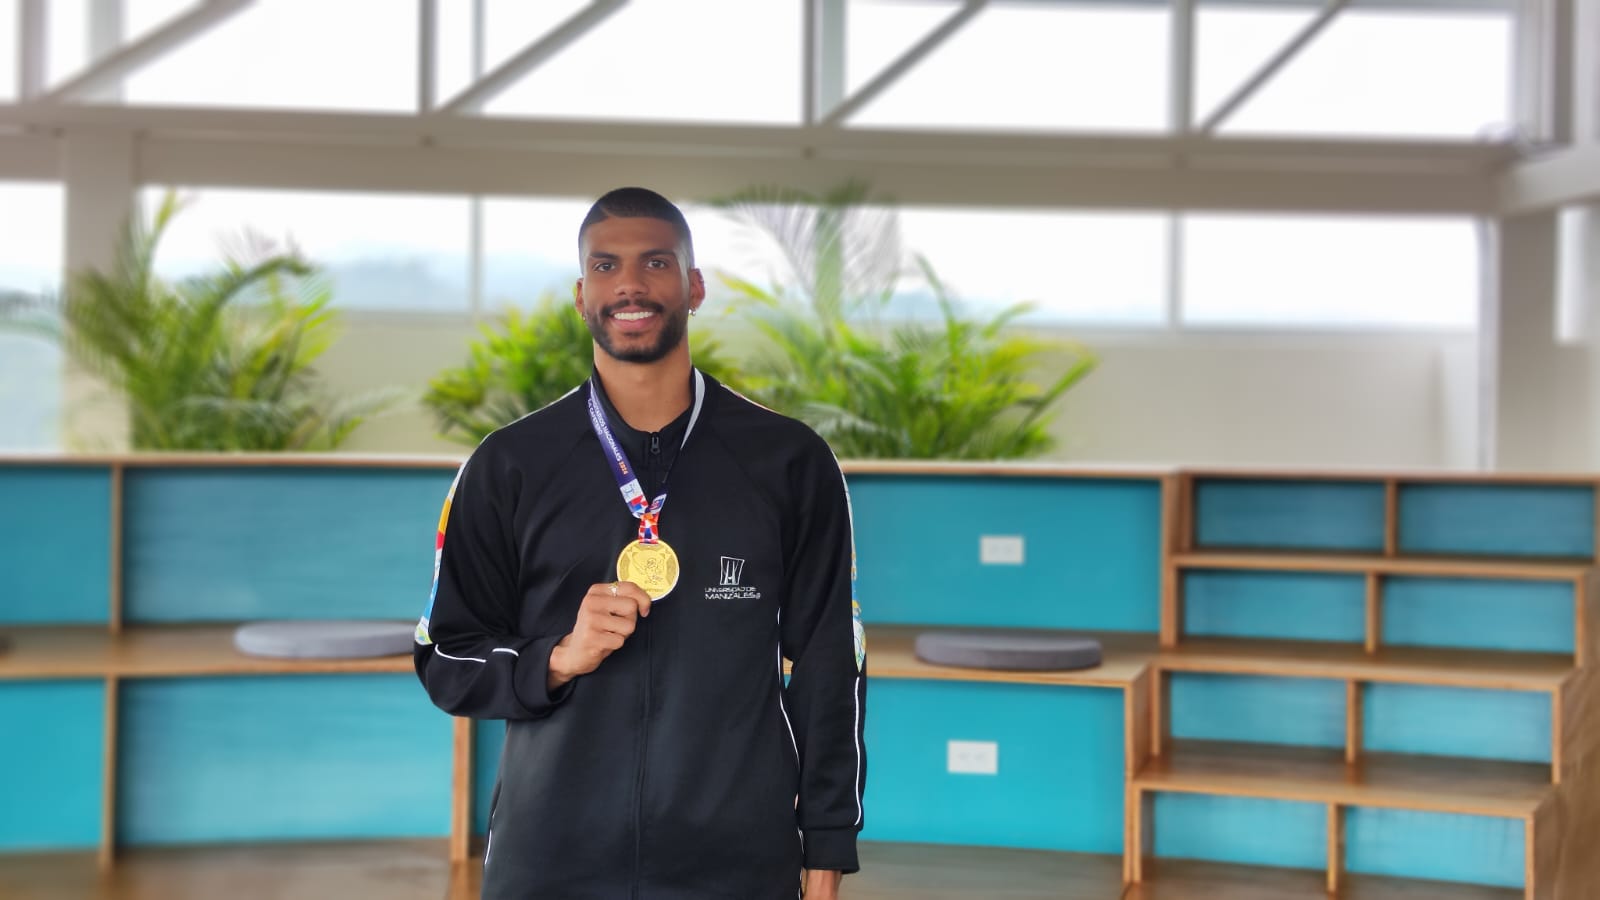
(635, 593)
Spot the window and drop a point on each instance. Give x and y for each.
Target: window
(668, 60)
(877, 32)
(309, 54)
(30, 367)
(530, 248)
(381, 251)
(1102, 268)
(1374, 73)
(67, 47)
(1033, 67)
(1324, 271)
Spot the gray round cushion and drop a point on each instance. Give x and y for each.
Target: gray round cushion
(998, 650)
(324, 640)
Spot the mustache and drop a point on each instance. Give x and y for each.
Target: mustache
(650, 305)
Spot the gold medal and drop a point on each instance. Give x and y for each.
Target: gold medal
(653, 567)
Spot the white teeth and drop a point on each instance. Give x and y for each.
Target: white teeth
(633, 316)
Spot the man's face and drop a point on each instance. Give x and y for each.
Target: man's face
(636, 290)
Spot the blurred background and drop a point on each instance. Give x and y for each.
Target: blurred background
(1258, 233)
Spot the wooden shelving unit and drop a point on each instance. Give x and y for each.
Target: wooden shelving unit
(1554, 803)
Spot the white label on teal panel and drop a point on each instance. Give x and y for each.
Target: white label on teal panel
(974, 758)
(1000, 549)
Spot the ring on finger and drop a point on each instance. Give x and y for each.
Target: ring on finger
(613, 588)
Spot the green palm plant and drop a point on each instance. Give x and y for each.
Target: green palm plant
(961, 390)
(197, 371)
(524, 361)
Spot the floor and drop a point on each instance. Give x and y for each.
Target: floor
(417, 870)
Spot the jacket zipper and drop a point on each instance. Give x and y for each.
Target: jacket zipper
(654, 462)
(638, 787)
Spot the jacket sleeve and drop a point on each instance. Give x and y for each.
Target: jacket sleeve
(822, 638)
(468, 653)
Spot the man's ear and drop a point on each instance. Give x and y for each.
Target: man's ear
(577, 296)
(697, 289)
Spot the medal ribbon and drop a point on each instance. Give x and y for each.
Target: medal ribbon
(647, 512)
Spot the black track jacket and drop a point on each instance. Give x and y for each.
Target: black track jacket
(682, 768)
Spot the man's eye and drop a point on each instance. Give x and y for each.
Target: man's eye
(602, 267)
(658, 264)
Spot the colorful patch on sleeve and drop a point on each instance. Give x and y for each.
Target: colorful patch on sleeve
(856, 628)
(422, 636)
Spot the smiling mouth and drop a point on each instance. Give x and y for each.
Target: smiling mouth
(633, 315)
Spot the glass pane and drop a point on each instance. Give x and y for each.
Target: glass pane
(67, 33)
(1442, 74)
(657, 60)
(140, 17)
(1330, 271)
(530, 248)
(878, 31)
(1038, 67)
(511, 25)
(381, 251)
(31, 242)
(1089, 267)
(1232, 43)
(452, 48)
(9, 50)
(307, 54)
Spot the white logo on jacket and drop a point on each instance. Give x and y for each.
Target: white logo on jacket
(730, 576)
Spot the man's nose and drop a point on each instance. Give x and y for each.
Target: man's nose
(630, 281)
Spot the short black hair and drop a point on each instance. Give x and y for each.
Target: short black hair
(638, 203)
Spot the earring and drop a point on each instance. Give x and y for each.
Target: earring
(693, 310)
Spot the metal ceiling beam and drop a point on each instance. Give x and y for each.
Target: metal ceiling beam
(481, 92)
(892, 72)
(1558, 179)
(993, 148)
(293, 165)
(26, 157)
(130, 57)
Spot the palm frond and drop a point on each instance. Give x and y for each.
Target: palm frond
(959, 389)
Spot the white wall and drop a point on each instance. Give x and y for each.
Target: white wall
(377, 352)
(1275, 399)
(1195, 399)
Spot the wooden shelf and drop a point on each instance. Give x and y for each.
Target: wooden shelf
(406, 869)
(1380, 475)
(1174, 879)
(1350, 662)
(1554, 569)
(891, 654)
(1318, 775)
(156, 652)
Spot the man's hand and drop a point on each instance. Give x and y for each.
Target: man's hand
(609, 614)
(822, 884)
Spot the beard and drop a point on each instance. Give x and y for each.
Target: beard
(674, 326)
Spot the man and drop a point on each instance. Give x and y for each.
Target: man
(634, 646)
